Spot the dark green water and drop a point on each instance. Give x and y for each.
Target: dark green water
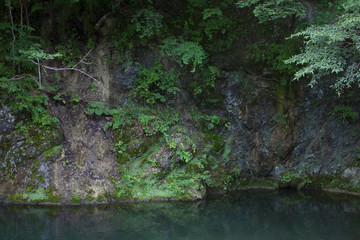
(253, 214)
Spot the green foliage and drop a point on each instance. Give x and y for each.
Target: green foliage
(75, 99)
(23, 96)
(76, 199)
(227, 149)
(98, 108)
(215, 22)
(147, 22)
(53, 152)
(36, 195)
(89, 198)
(35, 52)
(273, 9)
(154, 85)
(345, 112)
(181, 183)
(205, 80)
(68, 54)
(150, 121)
(274, 55)
(123, 37)
(210, 121)
(333, 48)
(59, 98)
(183, 146)
(294, 180)
(184, 52)
(208, 12)
(120, 147)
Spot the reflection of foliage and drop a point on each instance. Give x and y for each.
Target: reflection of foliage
(238, 214)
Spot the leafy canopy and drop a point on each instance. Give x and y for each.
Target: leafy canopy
(273, 9)
(333, 48)
(184, 52)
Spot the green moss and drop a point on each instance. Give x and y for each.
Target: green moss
(334, 182)
(39, 143)
(41, 178)
(100, 198)
(52, 196)
(89, 198)
(36, 195)
(227, 149)
(53, 152)
(76, 199)
(215, 139)
(294, 180)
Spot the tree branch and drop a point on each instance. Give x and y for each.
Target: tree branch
(39, 72)
(12, 32)
(68, 69)
(19, 77)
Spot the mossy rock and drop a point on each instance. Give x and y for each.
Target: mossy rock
(36, 195)
(76, 199)
(294, 180)
(100, 199)
(89, 198)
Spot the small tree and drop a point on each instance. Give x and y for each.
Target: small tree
(333, 48)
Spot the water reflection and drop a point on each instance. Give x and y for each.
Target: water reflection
(255, 214)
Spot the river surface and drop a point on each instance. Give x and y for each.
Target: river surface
(251, 214)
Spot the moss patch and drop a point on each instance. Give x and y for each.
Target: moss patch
(53, 152)
(89, 198)
(76, 199)
(36, 195)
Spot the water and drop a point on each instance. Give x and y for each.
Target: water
(253, 214)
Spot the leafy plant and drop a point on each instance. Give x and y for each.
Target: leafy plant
(345, 112)
(332, 48)
(120, 147)
(155, 85)
(214, 22)
(294, 180)
(210, 120)
(76, 199)
(205, 80)
(273, 9)
(98, 108)
(24, 96)
(184, 52)
(59, 98)
(147, 22)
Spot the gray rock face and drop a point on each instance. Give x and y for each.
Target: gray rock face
(7, 119)
(277, 129)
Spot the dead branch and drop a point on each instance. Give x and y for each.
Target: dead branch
(68, 69)
(20, 77)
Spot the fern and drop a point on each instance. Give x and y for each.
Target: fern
(184, 52)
